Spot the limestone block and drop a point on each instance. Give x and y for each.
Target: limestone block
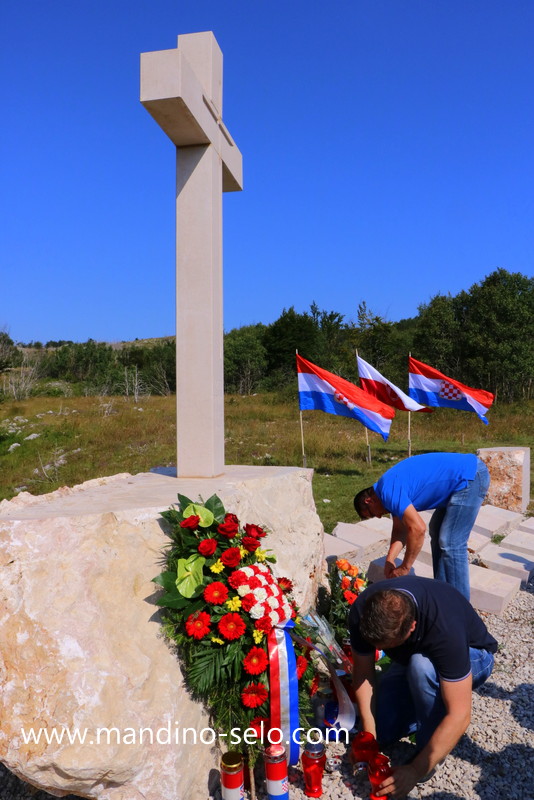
(492, 520)
(518, 564)
(367, 539)
(509, 468)
(520, 541)
(81, 645)
(527, 525)
(490, 591)
(339, 548)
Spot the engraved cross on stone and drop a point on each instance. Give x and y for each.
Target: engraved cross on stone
(182, 90)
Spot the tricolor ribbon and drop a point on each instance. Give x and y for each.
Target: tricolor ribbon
(283, 686)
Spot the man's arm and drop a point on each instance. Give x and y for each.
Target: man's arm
(457, 699)
(414, 528)
(363, 681)
(398, 541)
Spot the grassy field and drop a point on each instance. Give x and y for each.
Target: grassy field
(87, 437)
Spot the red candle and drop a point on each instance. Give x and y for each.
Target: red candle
(363, 747)
(313, 762)
(379, 769)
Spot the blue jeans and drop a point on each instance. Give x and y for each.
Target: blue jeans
(409, 698)
(450, 527)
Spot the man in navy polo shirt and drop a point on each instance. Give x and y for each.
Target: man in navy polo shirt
(440, 650)
(454, 484)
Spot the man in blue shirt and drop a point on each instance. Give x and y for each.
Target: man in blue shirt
(454, 484)
(440, 649)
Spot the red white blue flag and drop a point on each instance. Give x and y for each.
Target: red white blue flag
(373, 382)
(324, 391)
(429, 386)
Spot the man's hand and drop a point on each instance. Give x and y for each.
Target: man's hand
(400, 783)
(397, 572)
(389, 569)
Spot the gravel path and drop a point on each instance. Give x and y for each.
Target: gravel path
(493, 761)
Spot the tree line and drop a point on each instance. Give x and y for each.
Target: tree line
(482, 336)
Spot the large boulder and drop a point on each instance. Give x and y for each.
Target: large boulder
(81, 645)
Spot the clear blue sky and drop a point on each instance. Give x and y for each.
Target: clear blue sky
(388, 150)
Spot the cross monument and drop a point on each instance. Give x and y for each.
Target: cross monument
(182, 90)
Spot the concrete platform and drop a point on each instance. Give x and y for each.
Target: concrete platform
(490, 591)
(527, 525)
(339, 548)
(492, 520)
(520, 541)
(499, 559)
(369, 539)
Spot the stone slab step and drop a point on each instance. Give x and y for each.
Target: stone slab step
(369, 539)
(475, 543)
(527, 525)
(490, 591)
(520, 541)
(491, 520)
(499, 559)
(336, 548)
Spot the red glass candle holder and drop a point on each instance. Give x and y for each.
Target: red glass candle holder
(313, 763)
(378, 770)
(363, 747)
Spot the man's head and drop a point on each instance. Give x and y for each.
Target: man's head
(388, 618)
(367, 504)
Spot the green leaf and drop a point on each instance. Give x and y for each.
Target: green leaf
(172, 601)
(214, 504)
(184, 502)
(167, 580)
(189, 574)
(206, 516)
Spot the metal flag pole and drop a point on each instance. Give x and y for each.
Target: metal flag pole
(366, 431)
(304, 460)
(409, 421)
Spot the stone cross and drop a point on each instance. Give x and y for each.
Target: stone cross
(182, 90)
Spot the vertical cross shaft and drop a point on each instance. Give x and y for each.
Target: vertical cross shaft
(182, 90)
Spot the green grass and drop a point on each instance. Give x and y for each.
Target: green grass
(88, 437)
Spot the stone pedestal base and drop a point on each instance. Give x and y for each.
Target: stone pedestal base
(509, 469)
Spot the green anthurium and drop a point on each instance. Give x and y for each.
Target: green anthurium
(206, 516)
(189, 574)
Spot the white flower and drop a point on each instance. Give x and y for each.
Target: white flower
(272, 602)
(263, 580)
(273, 616)
(260, 594)
(248, 571)
(262, 568)
(243, 589)
(257, 611)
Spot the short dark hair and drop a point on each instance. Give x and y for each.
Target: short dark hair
(359, 501)
(387, 615)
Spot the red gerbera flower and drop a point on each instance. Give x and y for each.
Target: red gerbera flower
(231, 557)
(207, 547)
(198, 624)
(314, 685)
(248, 601)
(260, 726)
(250, 543)
(215, 593)
(254, 695)
(231, 626)
(302, 666)
(255, 531)
(285, 585)
(349, 596)
(190, 522)
(255, 661)
(264, 624)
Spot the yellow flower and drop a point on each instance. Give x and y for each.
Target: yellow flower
(243, 552)
(234, 603)
(258, 636)
(297, 620)
(215, 640)
(218, 566)
(260, 554)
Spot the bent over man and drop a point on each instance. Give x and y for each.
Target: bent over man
(454, 484)
(440, 649)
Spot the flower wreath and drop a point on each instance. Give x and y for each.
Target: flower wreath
(221, 603)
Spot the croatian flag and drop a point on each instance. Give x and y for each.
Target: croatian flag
(374, 383)
(323, 391)
(429, 386)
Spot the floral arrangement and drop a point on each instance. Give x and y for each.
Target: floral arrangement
(221, 602)
(346, 583)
